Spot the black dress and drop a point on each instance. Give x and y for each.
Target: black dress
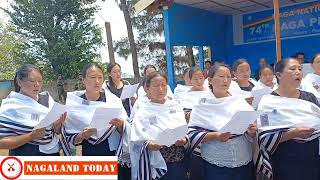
(31, 149)
(294, 160)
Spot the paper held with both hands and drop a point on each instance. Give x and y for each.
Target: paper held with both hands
(128, 91)
(54, 114)
(170, 136)
(240, 122)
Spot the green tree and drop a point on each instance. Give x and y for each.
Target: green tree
(131, 46)
(61, 33)
(9, 48)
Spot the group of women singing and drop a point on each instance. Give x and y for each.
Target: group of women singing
(283, 144)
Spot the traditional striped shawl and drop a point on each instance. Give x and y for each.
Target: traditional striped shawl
(150, 120)
(210, 115)
(281, 114)
(77, 120)
(19, 114)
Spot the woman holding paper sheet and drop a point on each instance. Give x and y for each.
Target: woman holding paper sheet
(76, 126)
(99, 141)
(225, 156)
(21, 111)
(289, 144)
(188, 99)
(149, 159)
(116, 83)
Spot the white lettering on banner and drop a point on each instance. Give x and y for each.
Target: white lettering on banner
(314, 21)
(292, 25)
(99, 168)
(62, 167)
(52, 168)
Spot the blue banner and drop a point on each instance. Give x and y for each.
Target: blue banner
(295, 21)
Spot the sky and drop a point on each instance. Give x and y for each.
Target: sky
(109, 12)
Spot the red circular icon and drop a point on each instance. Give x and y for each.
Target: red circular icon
(11, 168)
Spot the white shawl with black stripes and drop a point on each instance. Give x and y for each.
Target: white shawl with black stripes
(210, 115)
(281, 114)
(80, 115)
(19, 114)
(149, 121)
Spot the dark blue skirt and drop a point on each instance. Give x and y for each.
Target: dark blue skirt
(101, 149)
(214, 172)
(176, 170)
(196, 168)
(124, 172)
(294, 160)
(29, 150)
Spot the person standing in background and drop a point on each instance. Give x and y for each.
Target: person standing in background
(206, 69)
(60, 86)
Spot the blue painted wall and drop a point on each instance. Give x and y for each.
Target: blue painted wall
(196, 27)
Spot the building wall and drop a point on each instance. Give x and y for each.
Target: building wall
(196, 27)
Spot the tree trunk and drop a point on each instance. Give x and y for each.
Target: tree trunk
(133, 48)
(109, 41)
(190, 56)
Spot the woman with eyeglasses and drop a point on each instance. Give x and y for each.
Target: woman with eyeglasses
(22, 110)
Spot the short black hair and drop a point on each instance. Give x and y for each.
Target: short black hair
(238, 62)
(207, 62)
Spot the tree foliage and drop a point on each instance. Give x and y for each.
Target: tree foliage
(9, 48)
(61, 33)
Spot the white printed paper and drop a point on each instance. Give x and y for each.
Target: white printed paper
(240, 122)
(56, 111)
(102, 118)
(170, 136)
(128, 91)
